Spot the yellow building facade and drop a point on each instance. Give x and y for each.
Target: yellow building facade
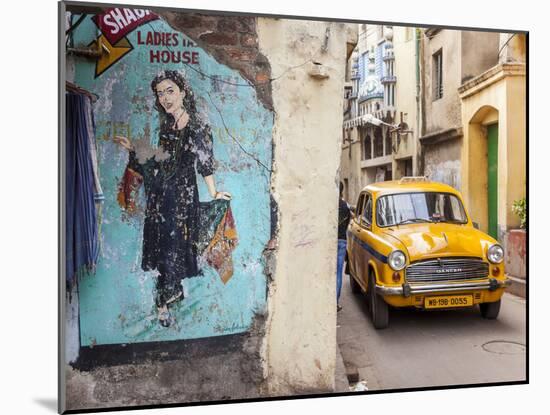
(494, 148)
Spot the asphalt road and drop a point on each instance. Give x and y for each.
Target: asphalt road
(432, 348)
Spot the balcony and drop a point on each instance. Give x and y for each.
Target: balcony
(388, 79)
(376, 161)
(372, 95)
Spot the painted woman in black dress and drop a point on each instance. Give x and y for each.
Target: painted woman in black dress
(172, 215)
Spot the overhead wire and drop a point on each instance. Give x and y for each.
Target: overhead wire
(233, 138)
(250, 84)
(506, 43)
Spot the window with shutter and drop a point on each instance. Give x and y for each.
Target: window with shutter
(438, 75)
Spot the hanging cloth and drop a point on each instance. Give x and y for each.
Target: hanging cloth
(81, 220)
(90, 126)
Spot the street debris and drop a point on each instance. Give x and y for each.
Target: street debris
(360, 386)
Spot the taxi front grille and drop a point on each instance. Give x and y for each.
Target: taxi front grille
(447, 269)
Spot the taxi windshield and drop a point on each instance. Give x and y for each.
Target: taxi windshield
(419, 207)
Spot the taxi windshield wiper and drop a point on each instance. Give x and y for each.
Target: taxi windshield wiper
(448, 220)
(413, 220)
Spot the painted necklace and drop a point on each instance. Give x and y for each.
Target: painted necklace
(170, 166)
(175, 126)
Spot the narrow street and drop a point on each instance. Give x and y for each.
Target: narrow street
(435, 348)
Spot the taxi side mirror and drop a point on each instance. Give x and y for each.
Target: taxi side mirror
(476, 225)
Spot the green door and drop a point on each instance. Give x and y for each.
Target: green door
(492, 179)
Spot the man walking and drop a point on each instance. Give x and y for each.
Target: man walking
(344, 216)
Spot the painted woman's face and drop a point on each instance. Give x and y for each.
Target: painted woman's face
(170, 96)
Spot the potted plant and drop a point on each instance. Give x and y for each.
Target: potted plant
(519, 207)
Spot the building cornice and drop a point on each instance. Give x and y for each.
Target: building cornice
(376, 162)
(490, 77)
(441, 136)
(432, 31)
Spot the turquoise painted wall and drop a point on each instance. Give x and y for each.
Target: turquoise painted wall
(116, 303)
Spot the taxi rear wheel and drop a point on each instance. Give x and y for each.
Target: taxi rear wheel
(379, 310)
(490, 310)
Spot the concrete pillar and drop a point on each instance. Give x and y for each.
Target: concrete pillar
(371, 143)
(384, 132)
(300, 349)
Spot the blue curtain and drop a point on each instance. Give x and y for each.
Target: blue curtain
(81, 218)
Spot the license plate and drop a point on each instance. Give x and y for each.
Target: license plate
(445, 301)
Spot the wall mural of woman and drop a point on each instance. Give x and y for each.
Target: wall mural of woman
(172, 214)
(172, 265)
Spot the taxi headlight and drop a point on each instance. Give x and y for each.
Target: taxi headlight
(495, 254)
(397, 260)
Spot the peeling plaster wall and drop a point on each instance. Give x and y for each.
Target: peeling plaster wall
(288, 344)
(117, 353)
(300, 343)
(443, 113)
(479, 53)
(465, 54)
(232, 41)
(116, 303)
(350, 168)
(72, 332)
(442, 163)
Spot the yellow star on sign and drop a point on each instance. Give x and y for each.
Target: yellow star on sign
(110, 54)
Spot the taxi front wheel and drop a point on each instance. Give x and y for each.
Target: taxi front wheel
(379, 310)
(490, 310)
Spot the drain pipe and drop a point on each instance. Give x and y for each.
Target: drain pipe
(90, 52)
(417, 35)
(85, 52)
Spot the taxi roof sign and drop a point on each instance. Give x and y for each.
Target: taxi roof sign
(412, 179)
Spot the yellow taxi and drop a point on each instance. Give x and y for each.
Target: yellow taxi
(411, 243)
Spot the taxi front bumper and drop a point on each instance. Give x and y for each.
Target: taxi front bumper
(407, 289)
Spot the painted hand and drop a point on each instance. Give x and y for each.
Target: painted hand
(124, 142)
(223, 195)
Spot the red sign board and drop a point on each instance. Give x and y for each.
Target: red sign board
(117, 22)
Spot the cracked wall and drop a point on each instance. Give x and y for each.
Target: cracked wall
(270, 330)
(300, 345)
(118, 352)
(118, 310)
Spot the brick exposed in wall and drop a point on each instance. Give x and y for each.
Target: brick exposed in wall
(219, 39)
(232, 41)
(248, 40)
